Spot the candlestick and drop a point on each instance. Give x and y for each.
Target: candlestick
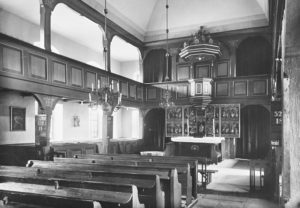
(188, 126)
(214, 127)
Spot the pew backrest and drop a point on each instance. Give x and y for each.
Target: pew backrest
(168, 177)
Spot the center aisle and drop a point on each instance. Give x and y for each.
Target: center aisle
(230, 188)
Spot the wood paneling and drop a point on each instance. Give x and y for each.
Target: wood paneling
(240, 88)
(243, 87)
(76, 76)
(115, 84)
(202, 71)
(91, 80)
(222, 89)
(182, 91)
(183, 72)
(259, 87)
(103, 81)
(31, 66)
(38, 66)
(124, 89)
(132, 91)
(17, 154)
(59, 72)
(71, 149)
(151, 93)
(11, 59)
(139, 93)
(222, 69)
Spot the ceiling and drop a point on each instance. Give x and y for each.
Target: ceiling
(146, 19)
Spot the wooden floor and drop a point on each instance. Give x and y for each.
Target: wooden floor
(230, 188)
(232, 176)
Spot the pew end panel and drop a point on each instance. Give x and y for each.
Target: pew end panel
(175, 189)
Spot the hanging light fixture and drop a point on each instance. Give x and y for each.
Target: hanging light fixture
(167, 42)
(166, 97)
(109, 98)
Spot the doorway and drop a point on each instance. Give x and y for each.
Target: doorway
(154, 129)
(255, 133)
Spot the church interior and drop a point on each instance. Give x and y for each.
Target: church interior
(152, 103)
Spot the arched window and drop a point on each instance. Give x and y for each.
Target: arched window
(76, 36)
(254, 56)
(125, 59)
(155, 66)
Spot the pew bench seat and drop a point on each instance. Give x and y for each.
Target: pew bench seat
(21, 205)
(164, 186)
(44, 192)
(149, 188)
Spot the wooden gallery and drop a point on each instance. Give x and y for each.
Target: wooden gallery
(157, 103)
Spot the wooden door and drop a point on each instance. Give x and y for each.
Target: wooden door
(255, 132)
(154, 130)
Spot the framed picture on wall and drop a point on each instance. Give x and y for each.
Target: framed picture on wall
(17, 118)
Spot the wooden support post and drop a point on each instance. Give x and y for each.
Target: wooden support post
(173, 53)
(47, 104)
(46, 8)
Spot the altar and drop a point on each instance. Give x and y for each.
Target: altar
(209, 147)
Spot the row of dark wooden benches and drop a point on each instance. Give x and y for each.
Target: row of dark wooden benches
(102, 181)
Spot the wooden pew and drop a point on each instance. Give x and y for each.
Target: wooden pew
(23, 185)
(150, 192)
(183, 169)
(176, 160)
(168, 178)
(199, 166)
(10, 204)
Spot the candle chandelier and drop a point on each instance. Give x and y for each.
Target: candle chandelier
(166, 98)
(107, 96)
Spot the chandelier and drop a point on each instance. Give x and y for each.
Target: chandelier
(166, 97)
(107, 97)
(200, 47)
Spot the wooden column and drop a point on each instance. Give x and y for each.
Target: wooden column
(233, 44)
(46, 8)
(105, 139)
(173, 53)
(291, 104)
(107, 130)
(47, 104)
